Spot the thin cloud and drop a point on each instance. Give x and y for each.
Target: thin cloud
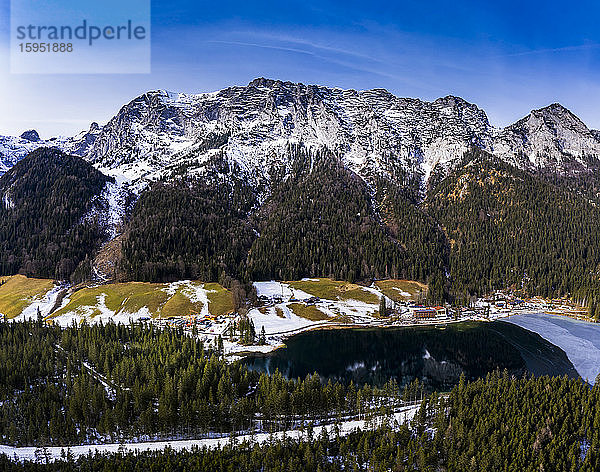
(320, 46)
(322, 57)
(581, 47)
(363, 63)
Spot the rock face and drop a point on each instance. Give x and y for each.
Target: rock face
(550, 138)
(31, 135)
(372, 131)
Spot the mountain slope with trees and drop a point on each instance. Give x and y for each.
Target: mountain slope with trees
(485, 226)
(320, 221)
(44, 201)
(509, 227)
(188, 229)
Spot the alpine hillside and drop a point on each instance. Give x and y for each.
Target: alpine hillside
(284, 180)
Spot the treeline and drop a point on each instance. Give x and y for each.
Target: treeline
(499, 423)
(43, 201)
(112, 382)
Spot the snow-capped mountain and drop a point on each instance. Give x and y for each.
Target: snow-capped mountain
(551, 137)
(372, 131)
(13, 149)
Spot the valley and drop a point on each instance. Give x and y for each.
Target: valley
(278, 311)
(244, 185)
(269, 258)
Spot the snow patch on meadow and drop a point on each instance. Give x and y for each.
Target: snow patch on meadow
(275, 324)
(44, 303)
(402, 292)
(106, 315)
(195, 292)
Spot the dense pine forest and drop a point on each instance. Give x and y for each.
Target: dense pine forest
(485, 226)
(498, 423)
(113, 382)
(426, 249)
(188, 228)
(44, 199)
(509, 228)
(320, 221)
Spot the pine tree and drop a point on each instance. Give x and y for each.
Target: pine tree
(383, 312)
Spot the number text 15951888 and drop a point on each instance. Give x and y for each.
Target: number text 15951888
(46, 47)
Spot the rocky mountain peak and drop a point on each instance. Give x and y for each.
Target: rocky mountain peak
(373, 132)
(264, 82)
(551, 137)
(31, 135)
(556, 114)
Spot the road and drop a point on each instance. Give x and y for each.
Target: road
(53, 453)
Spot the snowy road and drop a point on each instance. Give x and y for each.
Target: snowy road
(53, 453)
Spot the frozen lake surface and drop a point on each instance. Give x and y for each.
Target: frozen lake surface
(579, 339)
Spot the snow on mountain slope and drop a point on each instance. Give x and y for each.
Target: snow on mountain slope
(551, 137)
(108, 208)
(372, 131)
(13, 149)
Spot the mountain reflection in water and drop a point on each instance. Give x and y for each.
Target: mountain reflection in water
(436, 355)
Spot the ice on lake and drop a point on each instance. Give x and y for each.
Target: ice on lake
(579, 339)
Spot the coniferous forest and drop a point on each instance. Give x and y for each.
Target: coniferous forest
(114, 381)
(305, 229)
(509, 228)
(187, 228)
(312, 236)
(43, 232)
(485, 226)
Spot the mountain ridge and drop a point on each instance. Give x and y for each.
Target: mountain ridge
(373, 131)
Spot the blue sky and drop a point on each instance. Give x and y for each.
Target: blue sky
(507, 57)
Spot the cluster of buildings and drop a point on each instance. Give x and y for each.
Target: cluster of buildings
(264, 300)
(208, 323)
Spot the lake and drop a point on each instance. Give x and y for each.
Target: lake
(435, 355)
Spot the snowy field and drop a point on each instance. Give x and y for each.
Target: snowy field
(43, 303)
(287, 321)
(129, 311)
(275, 324)
(54, 453)
(579, 339)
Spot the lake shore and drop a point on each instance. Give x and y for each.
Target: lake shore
(277, 340)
